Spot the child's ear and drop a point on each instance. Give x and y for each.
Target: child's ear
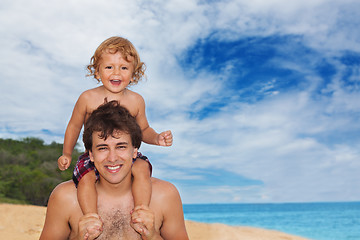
(97, 77)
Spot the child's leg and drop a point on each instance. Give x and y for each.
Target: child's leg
(141, 187)
(86, 193)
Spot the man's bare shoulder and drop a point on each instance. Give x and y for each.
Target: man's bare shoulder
(65, 186)
(167, 205)
(63, 212)
(163, 189)
(160, 182)
(65, 193)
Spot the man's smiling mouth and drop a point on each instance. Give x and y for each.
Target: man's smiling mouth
(114, 168)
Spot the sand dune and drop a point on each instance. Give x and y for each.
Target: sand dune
(24, 222)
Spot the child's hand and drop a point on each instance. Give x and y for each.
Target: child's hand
(165, 138)
(90, 227)
(64, 162)
(143, 221)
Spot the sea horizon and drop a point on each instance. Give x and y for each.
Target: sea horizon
(312, 220)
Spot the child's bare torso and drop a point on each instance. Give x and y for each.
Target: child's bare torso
(97, 96)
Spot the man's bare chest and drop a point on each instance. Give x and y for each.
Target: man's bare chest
(117, 223)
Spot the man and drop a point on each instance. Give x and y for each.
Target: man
(112, 138)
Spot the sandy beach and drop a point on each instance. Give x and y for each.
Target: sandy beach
(25, 222)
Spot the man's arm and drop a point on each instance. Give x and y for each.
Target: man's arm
(173, 226)
(60, 204)
(166, 205)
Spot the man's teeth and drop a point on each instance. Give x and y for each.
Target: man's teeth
(113, 168)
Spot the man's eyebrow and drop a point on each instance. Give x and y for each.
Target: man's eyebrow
(101, 145)
(105, 145)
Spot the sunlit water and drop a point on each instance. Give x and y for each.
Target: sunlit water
(318, 221)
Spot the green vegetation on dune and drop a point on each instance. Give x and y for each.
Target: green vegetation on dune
(28, 170)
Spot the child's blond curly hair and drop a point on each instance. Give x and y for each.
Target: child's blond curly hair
(128, 51)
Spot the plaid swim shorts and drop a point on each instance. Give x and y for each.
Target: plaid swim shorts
(84, 165)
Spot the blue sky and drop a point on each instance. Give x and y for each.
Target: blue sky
(263, 97)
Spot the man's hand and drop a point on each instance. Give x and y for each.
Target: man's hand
(165, 139)
(64, 162)
(90, 227)
(143, 221)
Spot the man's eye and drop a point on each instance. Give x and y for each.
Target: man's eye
(102, 148)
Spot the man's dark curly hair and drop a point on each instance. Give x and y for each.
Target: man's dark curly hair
(108, 119)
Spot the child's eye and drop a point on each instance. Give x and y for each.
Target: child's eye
(108, 67)
(124, 68)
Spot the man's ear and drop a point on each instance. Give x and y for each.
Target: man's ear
(91, 156)
(135, 153)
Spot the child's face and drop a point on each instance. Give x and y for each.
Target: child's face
(115, 72)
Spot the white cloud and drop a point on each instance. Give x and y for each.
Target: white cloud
(287, 141)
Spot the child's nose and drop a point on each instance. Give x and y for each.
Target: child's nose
(116, 71)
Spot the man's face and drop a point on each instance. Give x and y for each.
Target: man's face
(113, 157)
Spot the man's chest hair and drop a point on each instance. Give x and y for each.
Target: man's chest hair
(117, 224)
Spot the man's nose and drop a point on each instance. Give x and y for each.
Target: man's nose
(112, 156)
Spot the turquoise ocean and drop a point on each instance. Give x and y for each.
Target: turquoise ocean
(317, 221)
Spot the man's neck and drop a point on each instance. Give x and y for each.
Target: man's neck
(114, 190)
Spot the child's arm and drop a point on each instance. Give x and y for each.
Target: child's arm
(149, 134)
(72, 132)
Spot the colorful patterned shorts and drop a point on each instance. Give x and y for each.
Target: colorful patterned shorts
(84, 165)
